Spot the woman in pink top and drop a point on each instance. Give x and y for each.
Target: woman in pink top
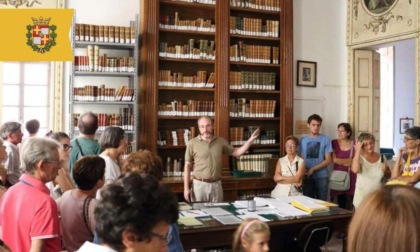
(76, 206)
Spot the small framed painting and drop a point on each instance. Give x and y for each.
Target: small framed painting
(306, 73)
(406, 123)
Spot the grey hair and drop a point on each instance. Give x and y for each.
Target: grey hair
(35, 150)
(9, 128)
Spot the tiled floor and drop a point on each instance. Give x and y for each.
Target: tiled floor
(334, 245)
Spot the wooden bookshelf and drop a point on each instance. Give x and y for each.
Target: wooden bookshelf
(152, 62)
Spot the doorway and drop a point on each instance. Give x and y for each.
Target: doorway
(398, 89)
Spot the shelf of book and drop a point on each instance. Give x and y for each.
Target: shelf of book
(262, 73)
(103, 78)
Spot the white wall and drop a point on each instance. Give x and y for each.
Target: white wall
(105, 12)
(404, 88)
(320, 36)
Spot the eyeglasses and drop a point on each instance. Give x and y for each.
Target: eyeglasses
(59, 162)
(406, 139)
(341, 131)
(166, 238)
(67, 147)
(290, 146)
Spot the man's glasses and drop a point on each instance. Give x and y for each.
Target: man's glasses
(67, 147)
(58, 162)
(166, 238)
(406, 139)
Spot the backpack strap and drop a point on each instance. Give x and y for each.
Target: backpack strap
(78, 146)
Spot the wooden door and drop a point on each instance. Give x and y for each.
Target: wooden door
(367, 93)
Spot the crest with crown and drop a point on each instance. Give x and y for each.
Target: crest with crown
(41, 21)
(41, 35)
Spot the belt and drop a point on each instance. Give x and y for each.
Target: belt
(207, 180)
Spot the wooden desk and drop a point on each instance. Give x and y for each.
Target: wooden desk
(233, 188)
(282, 231)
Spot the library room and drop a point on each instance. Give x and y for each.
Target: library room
(210, 125)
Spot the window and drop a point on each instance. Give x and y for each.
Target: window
(26, 93)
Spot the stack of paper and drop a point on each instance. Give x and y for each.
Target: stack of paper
(228, 219)
(193, 213)
(308, 205)
(189, 221)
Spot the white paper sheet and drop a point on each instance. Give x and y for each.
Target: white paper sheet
(214, 211)
(228, 219)
(252, 215)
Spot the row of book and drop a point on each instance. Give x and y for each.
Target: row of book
(174, 167)
(95, 93)
(178, 79)
(242, 107)
(197, 1)
(173, 22)
(239, 135)
(204, 49)
(104, 64)
(178, 137)
(124, 119)
(189, 108)
(105, 33)
(248, 194)
(270, 5)
(246, 80)
(254, 27)
(242, 52)
(131, 147)
(254, 162)
(166, 137)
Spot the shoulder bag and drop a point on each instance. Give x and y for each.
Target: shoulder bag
(340, 180)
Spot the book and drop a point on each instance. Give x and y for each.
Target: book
(308, 205)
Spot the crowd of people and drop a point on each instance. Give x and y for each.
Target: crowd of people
(58, 193)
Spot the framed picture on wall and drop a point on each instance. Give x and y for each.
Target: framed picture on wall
(306, 73)
(406, 123)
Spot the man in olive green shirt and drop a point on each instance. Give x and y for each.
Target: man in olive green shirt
(204, 153)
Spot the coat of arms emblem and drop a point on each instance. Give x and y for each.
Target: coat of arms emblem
(41, 35)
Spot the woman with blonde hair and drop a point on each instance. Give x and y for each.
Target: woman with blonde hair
(252, 235)
(387, 221)
(368, 166)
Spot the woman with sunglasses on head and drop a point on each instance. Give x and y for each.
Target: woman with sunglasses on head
(368, 166)
(406, 168)
(290, 170)
(63, 181)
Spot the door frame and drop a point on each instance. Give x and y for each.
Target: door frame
(351, 71)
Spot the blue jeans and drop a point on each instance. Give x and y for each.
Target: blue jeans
(316, 188)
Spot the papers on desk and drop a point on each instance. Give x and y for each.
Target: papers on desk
(244, 204)
(258, 210)
(214, 204)
(184, 206)
(283, 208)
(252, 215)
(228, 219)
(216, 211)
(189, 221)
(194, 213)
(308, 205)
